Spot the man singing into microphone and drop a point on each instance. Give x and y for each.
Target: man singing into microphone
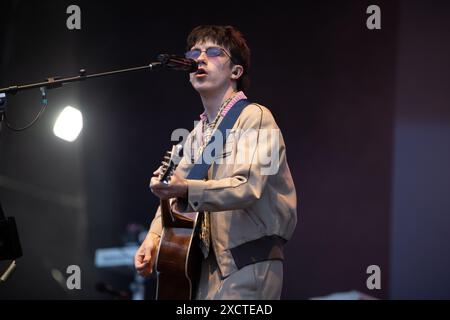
(249, 204)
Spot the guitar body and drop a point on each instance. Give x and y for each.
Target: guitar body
(179, 258)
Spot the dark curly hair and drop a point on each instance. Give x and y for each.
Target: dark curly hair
(229, 38)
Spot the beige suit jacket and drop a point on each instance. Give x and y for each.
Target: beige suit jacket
(249, 194)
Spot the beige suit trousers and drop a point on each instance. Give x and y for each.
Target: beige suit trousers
(258, 281)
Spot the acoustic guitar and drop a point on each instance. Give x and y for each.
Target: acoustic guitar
(178, 263)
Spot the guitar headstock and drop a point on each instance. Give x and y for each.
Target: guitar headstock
(169, 164)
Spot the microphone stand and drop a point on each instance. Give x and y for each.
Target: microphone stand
(10, 248)
(56, 82)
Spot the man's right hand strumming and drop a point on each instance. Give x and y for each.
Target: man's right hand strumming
(145, 256)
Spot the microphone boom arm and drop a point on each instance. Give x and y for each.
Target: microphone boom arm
(56, 82)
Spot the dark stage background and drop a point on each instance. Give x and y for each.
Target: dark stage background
(364, 113)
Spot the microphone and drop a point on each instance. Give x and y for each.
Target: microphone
(175, 62)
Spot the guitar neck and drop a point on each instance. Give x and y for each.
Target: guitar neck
(167, 218)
